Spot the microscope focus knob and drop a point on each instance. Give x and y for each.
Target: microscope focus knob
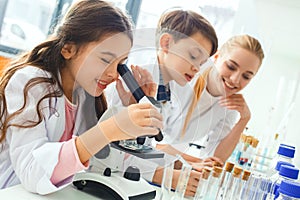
(159, 137)
(132, 173)
(141, 140)
(107, 172)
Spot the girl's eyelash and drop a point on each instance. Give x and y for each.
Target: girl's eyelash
(246, 77)
(230, 67)
(104, 60)
(124, 61)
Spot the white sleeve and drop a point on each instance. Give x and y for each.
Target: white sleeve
(32, 155)
(221, 130)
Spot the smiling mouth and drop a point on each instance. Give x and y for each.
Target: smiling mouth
(228, 85)
(102, 84)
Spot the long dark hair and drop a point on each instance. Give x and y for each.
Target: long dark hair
(86, 21)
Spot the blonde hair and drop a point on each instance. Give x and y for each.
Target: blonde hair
(244, 41)
(198, 89)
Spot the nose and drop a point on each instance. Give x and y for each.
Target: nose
(195, 68)
(111, 72)
(235, 78)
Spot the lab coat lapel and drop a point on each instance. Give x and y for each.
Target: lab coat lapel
(86, 114)
(56, 121)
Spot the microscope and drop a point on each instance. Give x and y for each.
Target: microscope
(104, 178)
(137, 147)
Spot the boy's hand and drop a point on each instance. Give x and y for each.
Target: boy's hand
(215, 161)
(207, 162)
(144, 79)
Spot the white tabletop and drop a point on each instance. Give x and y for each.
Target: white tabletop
(70, 192)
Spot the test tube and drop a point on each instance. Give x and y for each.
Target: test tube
(213, 183)
(239, 184)
(249, 189)
(203, 184)
(183, 179)
(166, 185)
(236, 174)
(226, 176)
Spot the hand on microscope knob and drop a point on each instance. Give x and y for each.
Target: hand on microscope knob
(134, 121)
(145, 81)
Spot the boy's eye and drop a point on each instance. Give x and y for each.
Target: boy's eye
(194, 53)
(193, 57)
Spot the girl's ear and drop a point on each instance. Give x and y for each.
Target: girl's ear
(68, 50)
(165, 41)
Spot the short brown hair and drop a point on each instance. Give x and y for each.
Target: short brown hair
(184, 23)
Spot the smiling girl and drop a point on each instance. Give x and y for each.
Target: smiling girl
(217, 114)
(52, 98)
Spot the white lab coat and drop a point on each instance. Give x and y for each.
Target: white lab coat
(29, 155)
(147, 59)
(209, 124)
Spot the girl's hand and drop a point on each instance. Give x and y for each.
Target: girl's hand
(207, 162)
(214, 160)
(134, 121)
(238, 103)
(192, 184)
(144, 79)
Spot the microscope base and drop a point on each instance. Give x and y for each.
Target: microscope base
(113, 187)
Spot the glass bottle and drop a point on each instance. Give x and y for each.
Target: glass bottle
(275, 176)
(226, 176)
(289, 190)
(213, 183)
(285, 154)
(285, 173)
(288, 146)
